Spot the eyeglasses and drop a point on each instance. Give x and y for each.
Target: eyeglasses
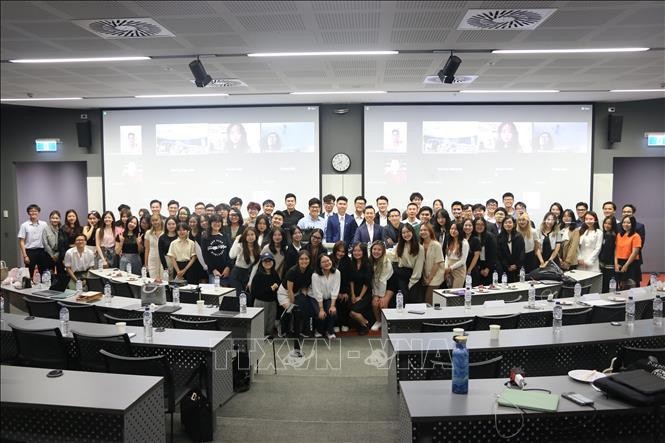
(316, 237)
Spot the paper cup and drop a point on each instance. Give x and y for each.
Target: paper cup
(199, 306)
(122, 327)
(458, 331)
(494, 332)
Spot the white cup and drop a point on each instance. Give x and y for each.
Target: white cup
(199, 306)
(122, 327)
(458, 331)
(494, 332)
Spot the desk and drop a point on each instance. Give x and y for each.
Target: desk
(184, 349)
(394, 321)
(538, 351)
(80, 406)
(447, 297)
(429, 411)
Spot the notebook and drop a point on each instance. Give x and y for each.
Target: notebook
(535, 401)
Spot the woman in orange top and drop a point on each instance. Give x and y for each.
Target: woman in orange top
(627, 252)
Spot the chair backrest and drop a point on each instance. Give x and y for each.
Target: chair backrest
(208, 325)
(629, 355)
(505, 321)
(41, 348)
(515, 300)
(603, 314)
(438, 327)
(42, 308)
(576, 317)
(88, 347)
(95, 284)
(80, 312)
(569, 291)
(481, 369)
(155, 365)
(131, 321)
(121, 289)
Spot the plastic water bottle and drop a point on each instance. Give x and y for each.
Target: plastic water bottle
(129, 268)
(613, 286)
(495, 278)
(176, 296)
(399, 302)
(630, 311)
(532, 296)
(467, 298)
(522, 275)
(653, 279)
(165, 276)
(36, 277)
(107, 294)
(577, 292)
(468, 281)
(147, 323)
(504, 279)
(46, 279)
(658, 311)
(100, 264)
(557, 315)
(216, 281)
(144, 273)
(243, 303)
(64, 321)
(460, 361)
(79, 286)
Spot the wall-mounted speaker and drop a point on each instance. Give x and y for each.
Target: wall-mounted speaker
(84, 134)
(614, 127)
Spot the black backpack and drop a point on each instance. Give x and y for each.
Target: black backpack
(196, 416)
(241, 370)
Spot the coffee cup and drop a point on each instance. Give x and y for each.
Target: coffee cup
(494, 332)
(122, 327)
(199, 306)
(458, 331)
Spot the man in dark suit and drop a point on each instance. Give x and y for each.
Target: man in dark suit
(629, 210)
(341, 226)
(495, 228)
(369, 231)
(393, 229)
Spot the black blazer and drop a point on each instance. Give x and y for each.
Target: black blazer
(506, 257)
(490, 253)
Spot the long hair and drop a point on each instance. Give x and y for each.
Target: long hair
(136, 231)
(250, 252)
(413, 243)
(455, 243)
(378, 263)
(340, 245)
(633, 223)
(555, 228)
(482, 236)
(364, 261)
(317, 266)
(526, 232)
(585, 228)
(430, 231)
(438, 228)
(282, 244)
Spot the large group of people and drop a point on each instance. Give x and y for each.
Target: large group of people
(335, 267)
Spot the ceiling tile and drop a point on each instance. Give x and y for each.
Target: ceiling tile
(428, 19)
(418, 36)
(344, 5)
(222, 43)
(251, 7)
(21, 11)
(199, 25)
(91, 9)
(350, 38)
(358, 20)
(176, 8)
(272, 23)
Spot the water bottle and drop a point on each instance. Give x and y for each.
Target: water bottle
(144, 273)
(522, 275)
(504, 279)
(495, 278)
(64, 321)
(147, 323)
(399, 302)
(658, 311)
(557, 315)
(630, 311)
(107, 294)
(176, 296)
(46, 279)
(243, 303)
(129, 268)
(79, 287)
(165, 276)
(613, 286)
(216, 281)
(467, 298)
(460, 366)
(577, 292)
(532, 296)
(653, 279)
(468, 282)
(36, 277)
(100, 264)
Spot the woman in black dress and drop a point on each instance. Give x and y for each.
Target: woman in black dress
(360, 280)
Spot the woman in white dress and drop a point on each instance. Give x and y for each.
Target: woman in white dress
(591, 240)
(151, 242)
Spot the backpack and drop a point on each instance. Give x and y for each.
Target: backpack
(241, 370)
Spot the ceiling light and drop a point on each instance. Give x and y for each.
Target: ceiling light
(637, 90)
(34, 99)
(78, 60)
(447, 74)
(201, 77)
(336, 92)
(508, 91)
(566, 51)
(180, 95)
(304, 54)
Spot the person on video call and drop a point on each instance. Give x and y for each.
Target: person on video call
(236, 139)
(395, 144)
(545, 142)
(507, 138)
(271, 143)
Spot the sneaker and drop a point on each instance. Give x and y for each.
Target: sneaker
(376, 326)
(345, 329)
(295, 353)
(332, 336)
(336, 329)
(317, 334)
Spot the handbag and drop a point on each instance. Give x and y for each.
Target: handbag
(196, 416)
(153, 294)
(638, 387)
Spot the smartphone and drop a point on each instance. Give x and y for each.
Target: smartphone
(416, 312)
(577, 398)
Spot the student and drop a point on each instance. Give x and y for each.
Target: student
(610, 210)
(90, 231)
(433, 264)
(197, 272)
(384, 281)
(236, 203)
(129, 246)
(360, 280)
(71, 228)
(106, 241)
(487, 261)
(441, 228)
(253, 209)
(467, 211)
(164, 243)
(312, 221)
(123, 216)
(437, 205)
(417, 198)
(151, 242)
(606, 255)
(581, 208)
(328, 207)
(550, 240)
(262, 226)
(199, 209)
(78, 260)
(277, 247)
(293, 248)
(359, 205)
(458, 251)
(411, 214)
(369, 230)
(591, 240)
(473, 257)
(531, 242)
(291, 214)
(341, 226)
(277, 220)
(315, 246)
(172, 207)
(209, 210)
(264, 291)
(52, 240)
(245, 251)
(410, 258)
(215, 247)
(183, 214)
(234, 226)
(570, 241)
(456, 211)
(424, 215)
(293, 291)
(382, 210)
(495, 228)
(508, 199)
(268, 207)
(627, 252)
(627, 211)
(478, 210)
(511, 250)
(182, 253)
(557, 210)
(326, 282)
(520, 208)
(222, 210)
(490, 206)
(393, 229)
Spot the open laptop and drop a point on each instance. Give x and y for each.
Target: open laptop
(52, 294)
(229, 307)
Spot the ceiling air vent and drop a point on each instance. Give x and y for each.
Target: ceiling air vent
(504, 19)
(459, 79)
(225, 83)
(124, 28)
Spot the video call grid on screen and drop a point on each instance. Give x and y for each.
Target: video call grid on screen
(210, 155)
(540, 153)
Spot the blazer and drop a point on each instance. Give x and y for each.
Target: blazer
(332, 229)
(491, 228)
(362, 233)
(506, 257)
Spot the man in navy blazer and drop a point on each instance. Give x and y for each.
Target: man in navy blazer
(369, 231)
(334, 226)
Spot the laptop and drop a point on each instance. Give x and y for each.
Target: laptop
(52, 294)
(229, 307)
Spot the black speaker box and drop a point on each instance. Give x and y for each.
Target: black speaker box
(614, 127)
(84, 134)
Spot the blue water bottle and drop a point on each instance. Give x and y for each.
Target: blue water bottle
(460, 366)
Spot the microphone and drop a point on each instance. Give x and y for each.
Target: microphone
(517, 377)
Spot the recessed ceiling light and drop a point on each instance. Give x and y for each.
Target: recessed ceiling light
(35, 99)
(566, 51)
(78, 60)
(508, 91)
(180, 95)
(336, 92)
(637, 90)
(324, 53)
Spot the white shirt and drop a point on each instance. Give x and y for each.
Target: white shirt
(370, 232)
(78, 262)
(326, 288)
(359, 219)
(590, 243)
(341, 226)
(530, 243)
(461, 259)
(383, 219)
(32, 234)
